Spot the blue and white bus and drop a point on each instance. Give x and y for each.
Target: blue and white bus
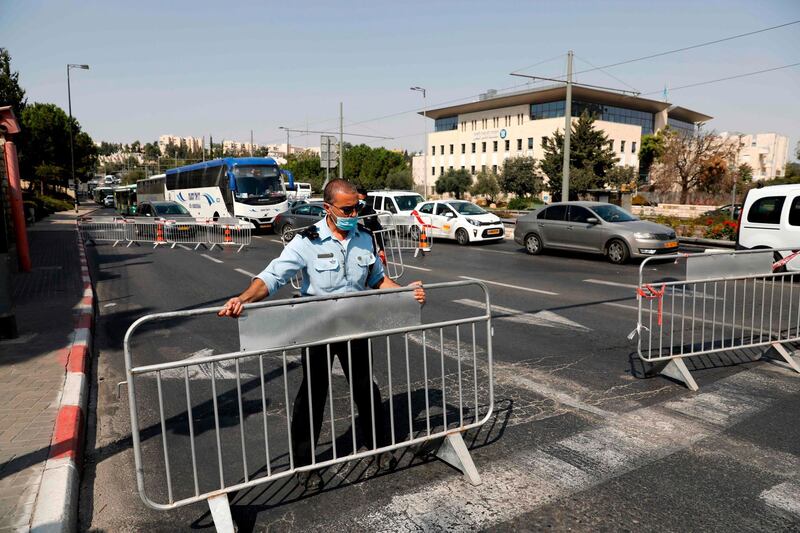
(248, 188)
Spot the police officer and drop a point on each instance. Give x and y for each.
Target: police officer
(335, 256)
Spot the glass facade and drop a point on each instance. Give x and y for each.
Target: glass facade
(608, 113)
(446, 123)
(686, 128)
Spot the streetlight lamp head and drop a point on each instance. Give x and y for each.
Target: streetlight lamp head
(73, 65)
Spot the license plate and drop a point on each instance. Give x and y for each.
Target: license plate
(671, 245)
(493, 232)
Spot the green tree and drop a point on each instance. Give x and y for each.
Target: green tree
(454, 181)
(591, 156)
(399, 178)
(151, 151)
(745, 172)
(650, 149)
(621, 176)
(10, 91)
(305, 167)
(519, 176)
(132, 176)
(486, 184)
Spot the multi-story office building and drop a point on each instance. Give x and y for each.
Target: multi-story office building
(193, 144)
(481, 135)
(766, 153)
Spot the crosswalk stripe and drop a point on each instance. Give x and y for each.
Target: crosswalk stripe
(212, 258)
(506, 285)
(544, 318)
(245, 272)
(784, 496)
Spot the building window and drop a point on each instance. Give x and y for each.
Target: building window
(441, 149)
(608, 113)
(483, 168)
(544, 142)
(441, 171)
(494, 169)
(633, 147)
(473, 124)
(433, 150)
(622, 147)
(519, 119)
(508, 145)
(611, 144)
(519, 144)
(463, 148)
(462, 167)
(451, 149)
(472, 169)
(450, 167)
(446, 124)
(483, 147)
(530, 143)
(433, 171)
(473, 148)
(494, 146)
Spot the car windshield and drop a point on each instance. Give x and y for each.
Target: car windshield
(170, 209)
(408, 202)
(254, 181)
(466, 208)
(612, 213)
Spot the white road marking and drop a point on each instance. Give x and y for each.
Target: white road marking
(785, 496)
(257, 237)
(222, 370)
(184, 247)
(212, 258)
(245, 272)
(497, 251)
(276, 240)
(410, 266)
(545, 318)
(110, 305)
(574, 464)
(506, 285)
(611, 283)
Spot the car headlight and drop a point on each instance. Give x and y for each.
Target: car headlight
(644, 236)
(473, 222)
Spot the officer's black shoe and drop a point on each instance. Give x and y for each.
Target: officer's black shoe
(311, 480)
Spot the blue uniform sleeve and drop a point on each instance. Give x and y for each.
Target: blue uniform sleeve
(281, 269)
(377, 273)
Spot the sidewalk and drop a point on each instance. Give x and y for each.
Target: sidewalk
(50, 302)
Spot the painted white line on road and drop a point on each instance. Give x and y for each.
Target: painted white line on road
(545, 318)
(610, 283)
(184, 247)
(497, 251)
(538, 477)
(245, 272)
(506, 285)
(785, 496)
(211, 258)
(410, 266)
(276, 241)
(222, 369)
(258, 237)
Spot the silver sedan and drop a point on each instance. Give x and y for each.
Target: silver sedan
(593, 227)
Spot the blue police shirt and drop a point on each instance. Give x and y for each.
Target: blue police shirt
(329, 266)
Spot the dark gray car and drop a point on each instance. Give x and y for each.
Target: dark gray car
(296, 217)
(593, 227)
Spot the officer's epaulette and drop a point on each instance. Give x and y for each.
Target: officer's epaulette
(311, 233)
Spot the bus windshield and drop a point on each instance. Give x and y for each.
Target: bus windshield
(258, 182)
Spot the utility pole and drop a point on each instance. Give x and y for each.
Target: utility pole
(424, 139)
(341, 141)
(287, 146)
(251, 143)
(567, 132)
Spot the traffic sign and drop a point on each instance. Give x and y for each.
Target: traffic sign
(328, 151)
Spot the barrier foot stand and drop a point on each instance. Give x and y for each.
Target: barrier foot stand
(221, 513)
(790, 361)
(454, 452)
(676, 369)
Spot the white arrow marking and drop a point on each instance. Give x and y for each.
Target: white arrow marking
(545, 318)
(222, 369)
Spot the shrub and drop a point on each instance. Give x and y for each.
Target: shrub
(54, 204)
(519, 204)
(639, 200)
(725, 230)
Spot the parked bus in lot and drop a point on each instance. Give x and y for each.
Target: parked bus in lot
(99, 193)
(152, 189)
(250, 188)
(125, 200)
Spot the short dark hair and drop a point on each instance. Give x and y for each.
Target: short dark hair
(362, 190)
(336, 186)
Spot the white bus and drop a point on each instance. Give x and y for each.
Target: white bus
(152, 189)
(250, 188)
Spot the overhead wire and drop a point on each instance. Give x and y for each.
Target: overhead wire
(737, 76)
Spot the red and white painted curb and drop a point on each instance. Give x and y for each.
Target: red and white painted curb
(56, 506)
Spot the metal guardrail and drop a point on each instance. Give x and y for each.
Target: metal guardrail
(438, 377)
(699, 304)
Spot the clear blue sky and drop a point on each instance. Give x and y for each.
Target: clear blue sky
(224, 68)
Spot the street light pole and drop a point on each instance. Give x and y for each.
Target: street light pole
(567, 132)
(71, 148)
(424, 138)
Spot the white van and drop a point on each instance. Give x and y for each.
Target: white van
(301, 191)
(394, 202)
(770, 218)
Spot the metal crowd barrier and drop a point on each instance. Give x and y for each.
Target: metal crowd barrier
(171, 232)
(699, 304)
(233, 412)
(413, 231)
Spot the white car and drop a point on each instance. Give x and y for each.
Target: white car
(394, 202)
(461, 220)
(770, 218)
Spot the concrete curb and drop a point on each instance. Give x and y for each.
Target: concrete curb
(56, 507)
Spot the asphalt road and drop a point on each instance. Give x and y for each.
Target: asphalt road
(582, 437)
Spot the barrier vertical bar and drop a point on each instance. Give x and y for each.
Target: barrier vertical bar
(694, 308)
(475, 370)
(371, 395)
(683, 316)
(164, 437)
(241, 420)
(288, 414)
(460, 396)
(216, 423)
(330, 395)
(733, 316)
(744, 300)
(780, 312)
(444, 384)
(264, 412)
(391, 393)
(425, 381)
(310, 408)
(408, 391)
(350, 381)
(724, 307)
(191, 429)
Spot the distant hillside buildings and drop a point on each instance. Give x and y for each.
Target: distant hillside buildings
(766, 153)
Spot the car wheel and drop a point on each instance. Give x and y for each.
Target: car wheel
(533, 244)
(617, 252)
(287, 233)
(462, 237)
